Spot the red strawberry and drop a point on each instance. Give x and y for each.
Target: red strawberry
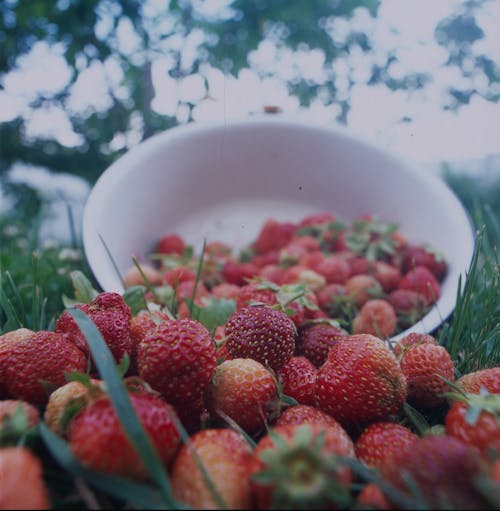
(376, 317)
(299, 274)
(371, 497)
(177, 359)
(98, 440)
(361, 382)
(332, 299)
(225, 456)
(423, 364)
(244, 390)
(170, 244)
(181, 273)
(321, 218)
(7, 341)
(411, 339)
(262, 333)
(226, 290)
(314, 341)
(488, 378)
(273, 273)
(441, 470)
(22, 485)
(423, 281)
(381, 440)
(273, 235)
(143, 323)
(238, 273)
(294, 467)
(41, 362)
(305, 414)
(422, 255)
(297, 378)
(475, 420)
(409, 305)
(255, 292)
(112, 317)
(388, 275)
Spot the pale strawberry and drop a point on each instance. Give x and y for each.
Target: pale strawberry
(362, 288)
(22, 485)
(376, 317)
(225, 456)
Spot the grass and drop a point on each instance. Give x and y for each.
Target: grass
(35, 277)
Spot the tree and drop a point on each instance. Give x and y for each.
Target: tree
(88, 34)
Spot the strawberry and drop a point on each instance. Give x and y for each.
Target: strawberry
(332, 300)
(297, 248)
(315, 340)
(409, 305)
(39, 363)
(334, 269)
(362, 288)
(273, 273)
(295, 466)
(441, 470)
(423, 281)
(17, 418)
(475, 420)
(65, 400)
(147, 274)
(380, 440)
(181, 273)
(318, 219)
(371, 497)
(22, 485)
(224, 455)
(423, 255)
(112, 317)
(245, 391)
(98, 440)
(411, 339)
(262, 333)
(226, 290)
(297, 379)
(239, 273)
(7, 341)
(388, 275)
(361, 382)
(273, 235)
(488, 378)
(255, 292)
(376, 317)
(170, 244)
(299, 274)
(305, 414)
(177, 359)
(141, 324)
(423, 365)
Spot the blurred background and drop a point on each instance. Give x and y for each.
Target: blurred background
(83, 81)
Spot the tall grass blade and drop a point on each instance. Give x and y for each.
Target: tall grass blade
(118, 394)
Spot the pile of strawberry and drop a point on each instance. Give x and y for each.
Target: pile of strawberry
(250, 399)
(365, 275)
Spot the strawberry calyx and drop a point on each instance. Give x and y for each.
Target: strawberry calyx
(300, 473)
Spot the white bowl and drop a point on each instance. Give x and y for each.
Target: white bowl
(221, 181)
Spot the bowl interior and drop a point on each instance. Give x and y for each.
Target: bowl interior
(222, 181)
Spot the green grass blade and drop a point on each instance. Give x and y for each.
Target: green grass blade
(138, 495)
(121, 402)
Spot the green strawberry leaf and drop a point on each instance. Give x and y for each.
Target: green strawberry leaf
(135, 299)
(216, 312)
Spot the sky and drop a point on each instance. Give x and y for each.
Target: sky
(434, 135)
